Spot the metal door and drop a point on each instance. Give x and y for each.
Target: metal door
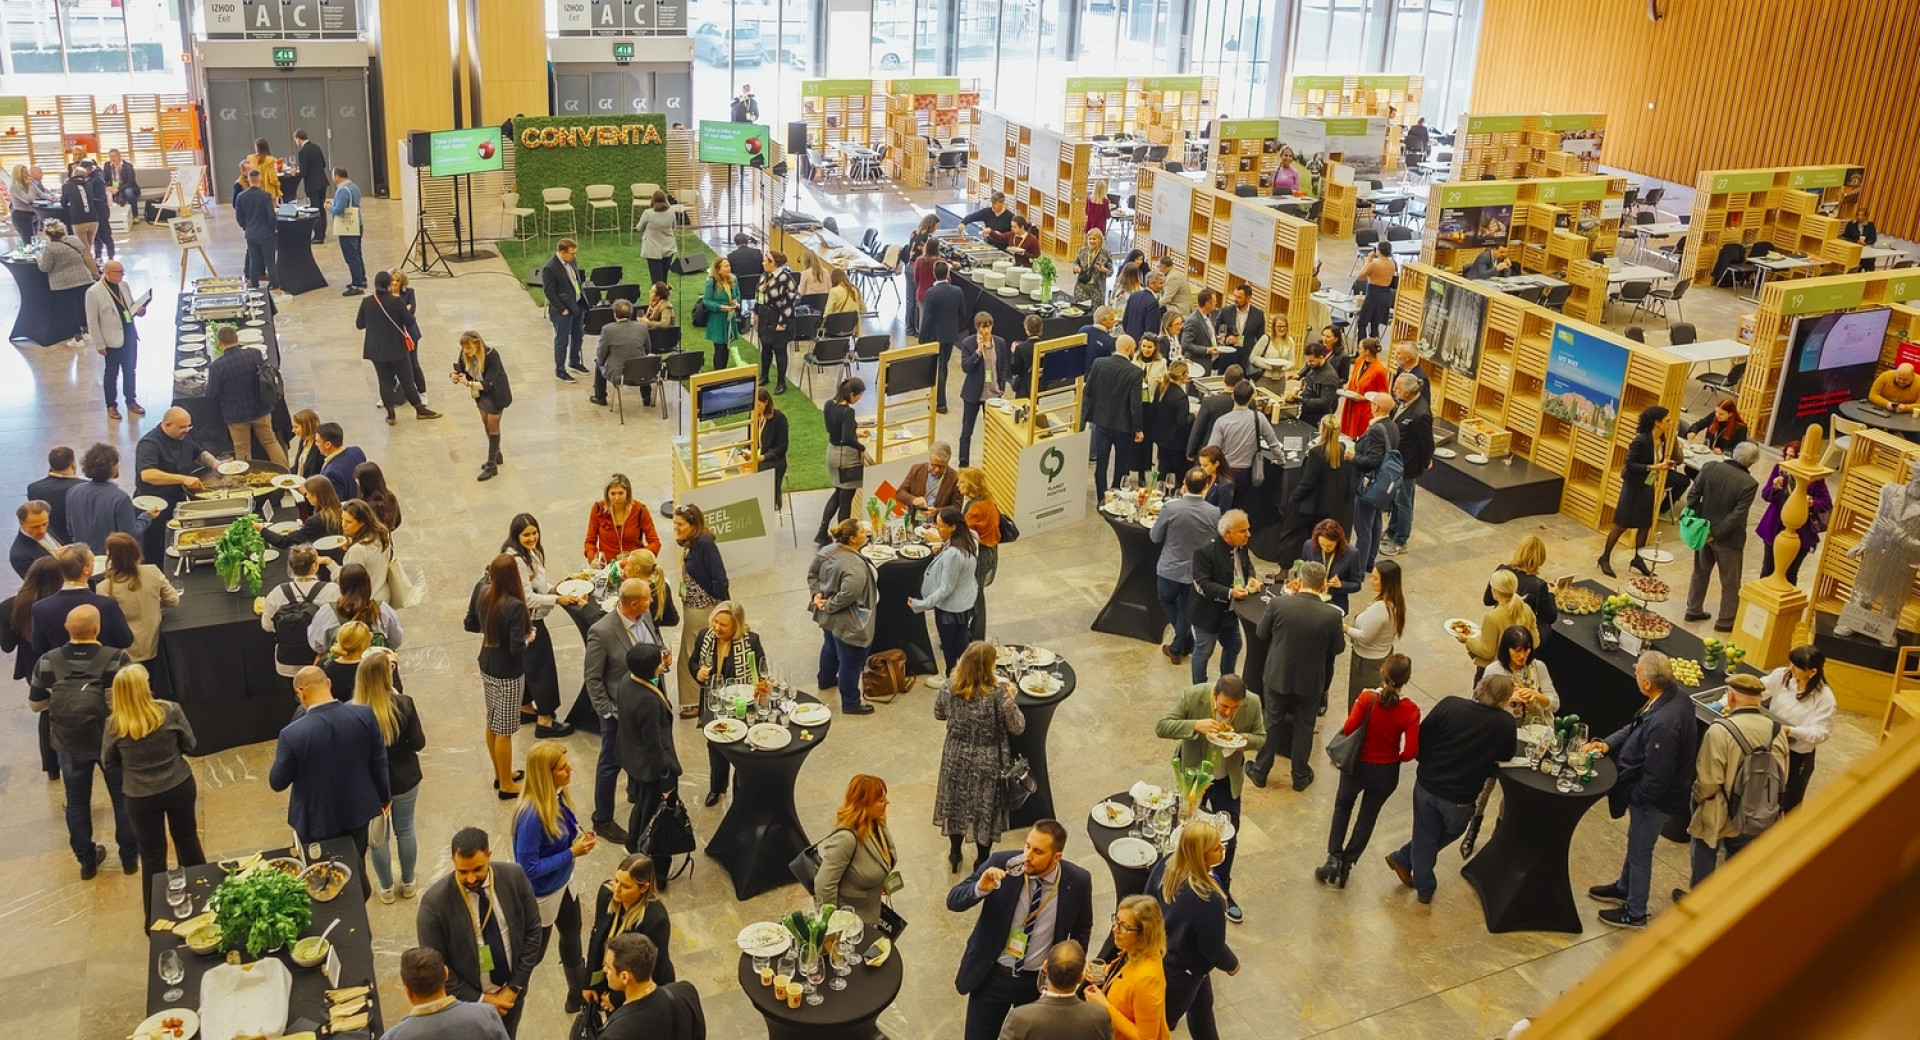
(639, 91)
(230, 132)
(270, 117)
(345, 137)
(609, 93)
(571, 94)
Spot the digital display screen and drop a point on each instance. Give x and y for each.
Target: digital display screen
(1061, 367)
(734, 144)
(721, 400)
(456, 153)
(910, 375)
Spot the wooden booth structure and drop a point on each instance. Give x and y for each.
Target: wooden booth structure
(1039, 412)
(1224, 240)
(1531, 146)
(721, 441)
(1551, 226)
(1395, 98)
(1795, 209)
(904, 418)
(1782, 302)
(920, 112)
(1043, 175)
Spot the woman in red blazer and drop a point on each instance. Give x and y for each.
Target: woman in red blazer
(618, 524)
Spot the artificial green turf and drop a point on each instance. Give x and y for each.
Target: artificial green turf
(807, 434)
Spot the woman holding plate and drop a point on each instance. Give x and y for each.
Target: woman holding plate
(542, 690)
(323, 516)
(726, 654)
(979, 710)
(948, 588)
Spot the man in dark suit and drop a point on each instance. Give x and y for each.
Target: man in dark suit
(314, 175)
(986, 368)
(1060, 1014)
(335, 759)
(340, 459)
(943, 317)
(1033, 898)
(620, 342)
(1239, 327)
(1212, 407)
(123, 187)
(1415, 420)
(608, 641)
(484, 922)
(1142, 314)
(1491, 263)
(254, 210)
(50, 613)
(748, 264)
(1222, 574)
(1196, 336)
(560, 280)
(1113, 409)
(52, 488)
(1304, 634)
(1099, 334)
(32, 541)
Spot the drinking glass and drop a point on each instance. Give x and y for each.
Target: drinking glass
(763, 967)
(788, 963)
(1097, 971)
(172, 972)
(816, 971)
(182, 904)
(842, 964)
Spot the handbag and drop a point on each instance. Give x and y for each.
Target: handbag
(1694, 529)
(670, 834)
(378, 829)
(884, 676)
(348, 222)
(404, 588)
(806, 866)
(586, 1025)
(1344, 748)
(701, 313)
(1016, 775)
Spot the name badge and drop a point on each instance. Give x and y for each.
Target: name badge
(486, 957)
(894, 882)
(1016, 946)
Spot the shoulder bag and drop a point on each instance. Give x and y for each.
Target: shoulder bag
(405, 336)
(806, 866)
(404, 588)
(1344, 748)
(670, 834)
(1016, 776)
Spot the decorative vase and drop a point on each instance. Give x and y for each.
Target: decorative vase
(1046, 288)
(231, 575)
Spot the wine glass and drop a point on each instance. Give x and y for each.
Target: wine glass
(816, 971)
(842, 963)
(172, 972)
(788, 963)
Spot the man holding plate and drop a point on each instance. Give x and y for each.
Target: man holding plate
(1216, 725)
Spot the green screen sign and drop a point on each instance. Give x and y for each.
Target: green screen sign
(1248, 129)
(456, 153)
(1384, 82)
(1810, 297)
(1818, 177)
(1564, 121)
(934, 85)
(1573, 189)
(285, 57)
(1172, 83)
(735, 144)
(835, 87)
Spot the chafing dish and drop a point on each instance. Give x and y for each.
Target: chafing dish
(197, 526)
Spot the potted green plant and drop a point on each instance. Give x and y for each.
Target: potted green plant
(1043, 266)
(260, 910)
(241, 553)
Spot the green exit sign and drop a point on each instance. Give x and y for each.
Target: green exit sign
(623, 52)
(284, 57)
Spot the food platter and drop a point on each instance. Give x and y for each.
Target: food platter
(764, 939)
(1038, 656)
(185, 1025)
(810, 714)
(285, 481)
(769, 737)
(232, 468)
(1647, 589)
(915, 552)
(1113, 814)
(1040, 684)
(1230, 741)
(1132, 852)
(878, 553)
(1575, 600)
(326, 880)
(1462, 627)
(726, 731)
(1643, 623)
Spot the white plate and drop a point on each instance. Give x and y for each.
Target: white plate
(726, 731)
(1230, 741)
(332, 541)
(286, 481)
(1472, 629)
(149, 503)
(769, 737)
(256, 323)
(760, 939)
(1444, 453)
(192, 362)
(1040, 684)
(1118, 507)
(192, 326)
(1008, 290)
(251, 336)
(1113, 814)
(284, 527)
(1132, 852)
(1038, 655)
(1151, 795)
(1477, 459)
(196, 337)
(915, 552)
(574, 587)
(878, 553)
(233, 468)
(997, 402)
(271, 554)
(189, 1024)
(810, 714)
(1226, 829)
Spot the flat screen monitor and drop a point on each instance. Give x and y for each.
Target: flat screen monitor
(911, 375)
(1831, 359)
(734, 144)
(456, 153)
(1061, 367)
(1841, 340)
(724, 400)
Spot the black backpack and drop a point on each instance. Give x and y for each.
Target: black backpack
(290, 624)
(266, 385)
(77, 702)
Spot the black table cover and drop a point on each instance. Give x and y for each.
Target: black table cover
(1497, 491)
(1277, 528)
(204, 410)
(1133, 608)
(1010, 312)
(1598, 685)
(219, 662)
(761, 833)
(307, 1005)
(1127, 881)
(897, 626)
(1521, 872)
(1253, 653)
(39, 320)
(844, 1015)
(294, 269)
(1032, 743)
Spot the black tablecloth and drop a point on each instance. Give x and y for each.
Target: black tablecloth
(1276, 528)
(40, 319)
(761, 833)
(897, 626)
(1521, 872)
(1495, 491)
(844, 1015)
(294, 269)
(1253, 655)
(1127, 881)
(1010, 312)
(1598, 685)
(1033, 743)
(1133, 608)
(307, 1005)
(204, 410)
(219, 662)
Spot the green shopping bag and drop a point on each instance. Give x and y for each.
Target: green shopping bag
(1694, 529)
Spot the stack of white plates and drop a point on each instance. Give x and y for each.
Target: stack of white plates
(1029, 282)
(992, 279)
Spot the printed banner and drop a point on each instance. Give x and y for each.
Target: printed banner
(1090, 84)
(740, 512)
(1050, 490)
(1492, 193)
(938, 85)
(1246, 129)
(1573, 189)
(1250, 239)
(1172, 208)
(1384, 82)
(1565, 121)
(1585, 375)
(1743, 180)
(1808, 297)
(1819, 177)
(1172, 83)
(1496, 124)
(1450, 326)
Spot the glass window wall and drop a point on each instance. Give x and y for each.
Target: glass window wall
(101, 47)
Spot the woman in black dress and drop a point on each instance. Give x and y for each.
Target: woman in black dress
(846, 454)
(773, 439)
(386, 322)
(627, 903)
(1646, 460)
(1170, 419)
(481, 371)
(1327, 481)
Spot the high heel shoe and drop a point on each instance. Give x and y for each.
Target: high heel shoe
(1640, 565)
(505, 796)
(1606, 567)
(953, 863)
(1340, 881)
(1326, 872)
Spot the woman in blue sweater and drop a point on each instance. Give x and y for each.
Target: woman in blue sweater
(1195, 908)
(948, 588)
(546, 840)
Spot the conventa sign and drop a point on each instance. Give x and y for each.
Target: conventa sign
(602, 136)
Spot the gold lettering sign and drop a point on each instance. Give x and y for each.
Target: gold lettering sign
(605, 135)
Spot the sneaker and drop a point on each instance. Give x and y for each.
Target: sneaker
(404, 890)
(88, 871)
(353, 290)
(386, 894)
(1620, 918)
(1405, 874)
(1233, 913)
(1392, 548)
(1608, 893)
(576, 366)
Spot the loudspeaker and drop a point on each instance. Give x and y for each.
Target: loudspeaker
(419, 151)
(797, 138)
(692, 263)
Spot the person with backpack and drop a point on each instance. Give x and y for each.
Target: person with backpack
(1655, 755)
(71, 683)
(246, 386)
(291, 606)
(354, 601)
(1738, 779)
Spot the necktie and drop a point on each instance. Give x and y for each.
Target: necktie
(1033, 916)
(490, 935)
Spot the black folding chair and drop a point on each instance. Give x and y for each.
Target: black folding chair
(605, 275)
(598, 318)
(869, 348)
(813, 302)
(845, 323)
(643, 371)
(828, 352)
(681, 366)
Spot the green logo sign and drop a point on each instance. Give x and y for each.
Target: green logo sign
(947, 85)
(1385, 82)
(1319, 82)
(1496, 124)
(1052, 463)
(1742, 180)
(1817, 177)
(1810, 297)
(1573, 189)
(1495, 193)
(737, 521)
(1092, 84)
(284, 56)
(1568, 121)
(835, 87)
(1248, 129)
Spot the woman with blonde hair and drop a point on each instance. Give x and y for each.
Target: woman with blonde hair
(547, 839)
(399, 720)
(1092, 266)
(323, 516)
(642, 564)
(1528, 557)
(844, 297)
(726, 654)
(480, 370)
(147, 742)
(304, 457)
(351, 642)
(858, 860)
(1327, 484)
(721, 294)
(627, 903)
(20, 199)
(814, 278)
(658, 238)
(1134, 991)
(618, 524)
(142, 592)
(979, 710)
(1508, 610)
(1195, 908)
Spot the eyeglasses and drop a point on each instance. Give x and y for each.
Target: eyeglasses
(1119, 926)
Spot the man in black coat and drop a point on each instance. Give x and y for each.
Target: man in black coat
(253, 210)
(1222, 574)
(1142, 314)
(1023, 913)
(621, 341)
(1099, 334)
(494, 964)
(646, 749)
(233, 380)
(52, 488)
(986, 369)
(617, 631)
(1414, 418)
(332, 759)
(1239, 327)
(1212, 407)
(1112, 396)
(1369, 451)
(1319, 390)
(32, 541)
(560, 280)
(943, 320)
(1304, 634)
(49, 623)
(1491, 263)
(996, 221)
(314, 175)
(1722, 495)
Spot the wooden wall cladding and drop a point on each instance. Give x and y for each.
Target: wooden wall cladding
(415, 44)
(1725, 84)
(513, 61)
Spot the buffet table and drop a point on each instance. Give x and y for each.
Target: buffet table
(761, 833)
(192, 396)
(832, 250)
(38, 320)
(1010, 312)
(352, 939)
(218, 662)
(1497, 491)
(1521, 872)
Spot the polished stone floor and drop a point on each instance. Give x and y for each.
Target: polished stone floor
(1364, 962)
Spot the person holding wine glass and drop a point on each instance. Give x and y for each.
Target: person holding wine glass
(1133, 987)
(726, 654)
(1195, 909)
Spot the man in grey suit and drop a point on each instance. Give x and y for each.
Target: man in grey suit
(484, 922)
(1304, 634)
(1059, 1014)
(943, 318)
(620, 342)
(1176, 295)
(607, 644)
(1197, 337)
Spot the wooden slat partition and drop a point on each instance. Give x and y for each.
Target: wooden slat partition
(1726, 84)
